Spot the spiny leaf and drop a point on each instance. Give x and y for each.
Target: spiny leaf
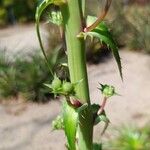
(102, 26)
(70, 118)
(107, 39)
(102, 33)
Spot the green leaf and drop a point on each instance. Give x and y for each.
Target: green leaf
(102, 33)
(101, 118)
(48, 85)
(70, 117)
(82, 108)
(95, 108)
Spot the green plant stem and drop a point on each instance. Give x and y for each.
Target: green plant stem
(76, 49)
(72, 18)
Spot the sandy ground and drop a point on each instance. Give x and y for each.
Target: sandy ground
(20, 40)
(27, 126)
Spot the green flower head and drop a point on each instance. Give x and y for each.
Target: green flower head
(108, 90)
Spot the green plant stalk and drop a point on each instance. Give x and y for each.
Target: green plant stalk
(76, 49)
(72, 18)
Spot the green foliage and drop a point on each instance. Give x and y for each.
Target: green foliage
(3, 16)
(68, 87)
(55, 17)
(27, 77)
(120, 26)
(7, 3)
(21, 10)
(79, 115)
(33, 74)
(140, 38)
(102, 118)
(44, 4)
(103, 34)
(56, 83)
(130, 138)
(62, 88)
(8, 85)
(17, 10)
(70, 119)
(130, 26)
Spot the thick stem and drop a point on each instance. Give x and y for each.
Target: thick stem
(76, 48)
(73, 23)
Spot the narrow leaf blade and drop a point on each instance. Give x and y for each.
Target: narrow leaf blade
(70, 116)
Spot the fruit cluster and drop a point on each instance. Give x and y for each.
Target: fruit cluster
(62, 87)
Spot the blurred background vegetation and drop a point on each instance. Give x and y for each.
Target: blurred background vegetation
(26, 77)
(12, 11)
(129, 138)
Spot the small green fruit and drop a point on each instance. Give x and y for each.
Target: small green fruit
(109, 91)
(67, 87)
(56, 83)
